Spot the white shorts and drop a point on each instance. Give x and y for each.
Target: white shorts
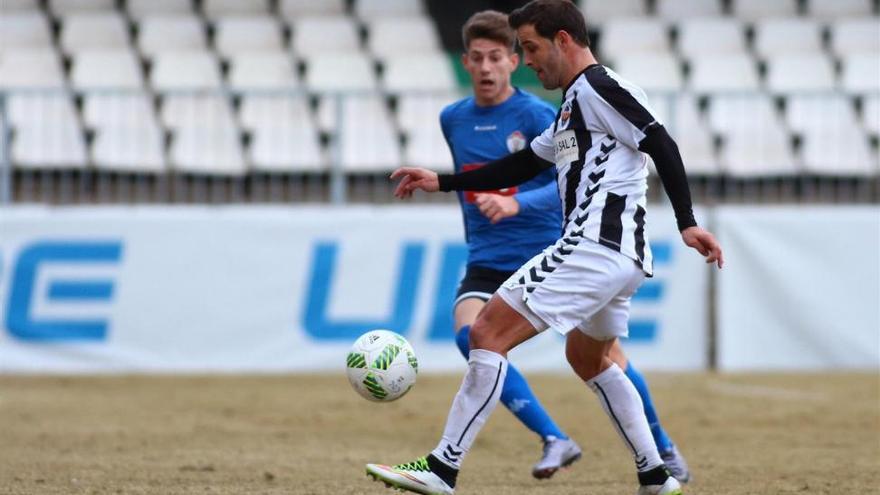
(584, 285)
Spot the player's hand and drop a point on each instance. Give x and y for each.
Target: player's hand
(704, 242)
(496, 207)
(414, 178)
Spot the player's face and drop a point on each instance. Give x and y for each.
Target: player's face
(541, 55)
(490, 64)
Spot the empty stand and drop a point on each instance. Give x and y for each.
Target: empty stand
(850, 36)
(657, 72)
(325, 34)
(392, 35)
(28, 29)
(340, 72)
(675, 10)
(292, 10)
(861, 73)
(836, 9)
(262, 71)
(216, 9)
(88, 31)
(599, 11)
(801, 72)
(698, 37)
(140, 9)
(31, 68)
(171, 33)
(247, 34)
(106, 69)
(374, 9)
(755, 10)
(630, 36)
(419, 72)
(717, 73)
(787, 36)
(185, 70)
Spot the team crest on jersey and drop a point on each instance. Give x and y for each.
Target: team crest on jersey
(565, 114)
(516, 141)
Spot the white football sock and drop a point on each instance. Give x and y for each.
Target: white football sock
(622, 403)
(476, 399)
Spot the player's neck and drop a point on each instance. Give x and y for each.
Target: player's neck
(578, 61)
(497, 100)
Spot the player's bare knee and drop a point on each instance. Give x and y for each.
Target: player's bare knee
(483, 336)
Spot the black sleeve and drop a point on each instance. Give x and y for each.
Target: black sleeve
(512, 170)
(660, 146)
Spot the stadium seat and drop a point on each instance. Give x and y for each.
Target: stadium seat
(758, 152)
(428, 149)
(800, 72)
(714, 73)
(106, 69)
(845, 152)
(182, 111)
(208, 151)
(698, 37)
(31, 68)
(171, 33)
(418, 117)
(87, 31)
(37, 109)
(259, 111)
(678, 112)
(287, 149)
(599, 11)
(63, 8)
(291, 10)
(836, 9)
(54, 146)
(756, 10)
(861, 73)
(16, 6)
(247, 34)
(340, 72)
(654, 72)
(140, 9)
(675, 10)
(422, 111)
(261, 71)
(129, 149)
(215, 9)
(24, 30)
(871, 114)
(820, 113)
(630, 36)
(375, 9)
(849, 36)
(185, 70)
(739, 114)
(366, 135)
(787, 36)
(131, 109)
(419, 72)
(698, 153)
(393, 35)
(314, 35)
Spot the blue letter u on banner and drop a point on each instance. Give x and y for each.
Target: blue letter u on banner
(319, 326)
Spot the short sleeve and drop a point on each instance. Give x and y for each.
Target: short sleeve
(542, 145)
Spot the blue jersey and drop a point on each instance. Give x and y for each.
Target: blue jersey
(477, 135)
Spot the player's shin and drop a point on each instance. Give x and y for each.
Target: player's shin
(621, 402)
(476, 399)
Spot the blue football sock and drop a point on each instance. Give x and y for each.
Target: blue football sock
(660, 438)
(517, 396)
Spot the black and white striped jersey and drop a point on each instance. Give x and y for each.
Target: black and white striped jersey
(601, 173)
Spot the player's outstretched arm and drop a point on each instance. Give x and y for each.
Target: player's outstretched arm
(414, 178)
(703, 241)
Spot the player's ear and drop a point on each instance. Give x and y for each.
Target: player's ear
(514, 59)
(464, 59)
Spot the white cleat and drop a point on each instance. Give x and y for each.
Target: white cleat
(670, 487)
(558, 453)
(415, 477)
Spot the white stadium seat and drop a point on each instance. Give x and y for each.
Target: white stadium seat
(787, 36)
(35, 109)
(759, 152)
(270, 111)
(755, 10)
(861, 73)
(422, 111)
(674, 10)
(801, 72)
(599, 11)
(679, 113)
(212, 110)
(127, 109)
(291, 10)
(139, 9)
(630, 36)
(418, 116)
(340, 72)
(856, 36)
(24, 30)
(705, 36)
(374, 9)
(171, 33)
(367, 136)
(262, 71)
(655, 72)
(208, 151)
(287, 149)
(129, 149)
(715, 73)
(427, 148)
(63, 8)
(55, 146)
(31, 68)
(313, 35)
(698, 152)
(247, 34)
(87, 31)
(391, 35)
(106, 69)
(836, 9)
(419, 72)
(871, 114)
(216, 9)
(845, 152)
(15, 6)
(820, 113)
(740, 114)
(185, 70)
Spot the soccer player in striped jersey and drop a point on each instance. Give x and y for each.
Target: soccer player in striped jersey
(581, 285)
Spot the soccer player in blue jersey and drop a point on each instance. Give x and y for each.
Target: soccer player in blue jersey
(504, 229)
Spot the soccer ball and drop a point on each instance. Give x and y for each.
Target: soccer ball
(382, 366)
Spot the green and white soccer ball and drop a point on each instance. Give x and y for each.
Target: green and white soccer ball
(382, 366)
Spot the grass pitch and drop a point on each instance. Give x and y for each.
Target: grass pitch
(742, 434)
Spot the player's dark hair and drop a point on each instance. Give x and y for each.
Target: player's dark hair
(551, 16)
(490, 25)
